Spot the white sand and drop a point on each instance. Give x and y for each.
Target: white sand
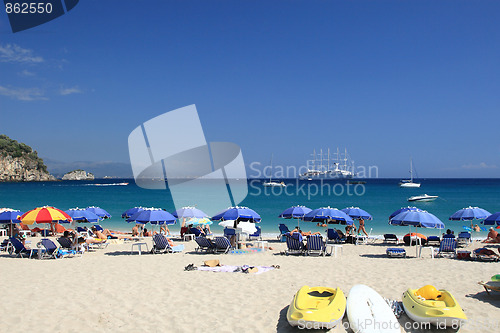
(112, 291)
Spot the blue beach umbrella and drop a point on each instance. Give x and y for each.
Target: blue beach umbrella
(81, 215)
(295, 212)
(492, 219)
(237, 213)
(470, 213)
(189, 212)
(129, 212)
(99, 212)
(357, 213)
(10, 216)
(328, 215)
(403, 209)
(153, 216)
(417, 218)
(420, 218)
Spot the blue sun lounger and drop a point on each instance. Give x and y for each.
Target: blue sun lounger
(205, 244)
(395, 252)
(49, 249)
(161, 245)
(447, 246)
(294, 244)
(19, 249)
(333, 236)
(283, 231)
(223, 244)
(464, 238)
(315, 244)
(433, 241)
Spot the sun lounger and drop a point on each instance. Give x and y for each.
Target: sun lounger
(433, 241)
(161, 245)
(4, 245)
(228, 233)
(333, 236)
(223, 244)
(257, 235)
(294, 244)
(283, 231)
(205, 244)
(391, 238)
(19, 249)
(395, 252)
(49, 249)
(463, 239)
(315, 244)
(448, 246)
(491, 285)
(66, 247)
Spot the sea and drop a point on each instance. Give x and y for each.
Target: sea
(379, 197)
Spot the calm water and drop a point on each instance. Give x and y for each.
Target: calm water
(380, 197)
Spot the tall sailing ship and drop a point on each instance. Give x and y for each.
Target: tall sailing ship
(329, 166)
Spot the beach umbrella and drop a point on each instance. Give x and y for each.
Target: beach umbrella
(153, 216)
(295, 212)
(99, 212)
(82, 215)
(129, 212)
(239, 214)
(199, 221)
(416, 218)
(469, 214)
(492, 219)
(10, 216)
(189, 212)
(46, 214)
(328, 215)
(404, 209)
(357, 213)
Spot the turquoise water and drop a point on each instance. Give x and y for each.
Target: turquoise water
(380, 197)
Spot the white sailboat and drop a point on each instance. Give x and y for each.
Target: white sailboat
(409, 182)
(271, 182)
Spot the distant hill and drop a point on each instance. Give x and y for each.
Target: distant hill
(20, 163)
(98, 169)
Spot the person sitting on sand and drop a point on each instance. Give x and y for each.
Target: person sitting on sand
(308, 233)
(164, 230)
(493, 237)
(477, 228)
(362, 226)
(449, 234)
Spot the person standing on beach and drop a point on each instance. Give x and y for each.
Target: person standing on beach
(362, 226)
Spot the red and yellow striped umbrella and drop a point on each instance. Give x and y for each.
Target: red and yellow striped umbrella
(44, 214)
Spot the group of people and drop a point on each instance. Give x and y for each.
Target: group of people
(350, 229)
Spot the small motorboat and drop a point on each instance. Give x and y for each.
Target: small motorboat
(429, 305)
(317, 307)
(423, 198)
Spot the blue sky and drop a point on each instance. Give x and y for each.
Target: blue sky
(386, 79)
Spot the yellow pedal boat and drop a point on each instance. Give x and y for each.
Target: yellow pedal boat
(429, 305)
(317, 307)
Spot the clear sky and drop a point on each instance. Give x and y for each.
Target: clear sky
(386, 79)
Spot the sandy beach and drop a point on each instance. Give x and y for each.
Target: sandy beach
(110, 290)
